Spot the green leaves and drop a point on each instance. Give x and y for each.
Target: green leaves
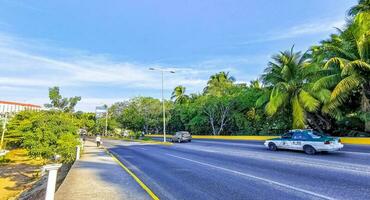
(326, 82)
(336, 61)
(299, 116)
(345, 87)
(44, 134)
(59, 103)
(179, 94)
(355, 67)
(288, 77)
(307, 101)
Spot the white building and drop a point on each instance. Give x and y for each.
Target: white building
(14, 107)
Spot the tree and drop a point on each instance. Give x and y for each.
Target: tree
(218, 83)
(61, 103)
(45, 134)
(287, 77)
(218, 111)
(143, 114)
(179, 94)
(354, 71)
(362, 6)
(256, 84)
(85, 121)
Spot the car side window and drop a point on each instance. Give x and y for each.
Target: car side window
(287, 136)
(298, 136)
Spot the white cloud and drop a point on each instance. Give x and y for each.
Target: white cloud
(29, 67)
(27, 71)
(308, 28)
(44, 70)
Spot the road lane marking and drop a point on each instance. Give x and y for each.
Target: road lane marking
(231, 143)
(255, 177)
(354, 168)
(141, 183)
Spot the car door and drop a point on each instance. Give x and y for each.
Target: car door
(297, 141)
(286, 141)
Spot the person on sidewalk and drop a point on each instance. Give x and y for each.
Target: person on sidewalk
(84, 138)
(98, 140)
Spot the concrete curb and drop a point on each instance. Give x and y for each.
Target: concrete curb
(345, 140)
(137, 179)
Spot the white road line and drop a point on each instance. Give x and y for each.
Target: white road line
(355, 168)
(256, 177)
(232, 143)
(355, 152)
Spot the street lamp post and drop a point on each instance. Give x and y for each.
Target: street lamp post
(163, 106)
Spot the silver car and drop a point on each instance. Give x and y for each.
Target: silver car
(181, 136)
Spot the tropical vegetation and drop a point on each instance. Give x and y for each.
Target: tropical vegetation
(326, 88)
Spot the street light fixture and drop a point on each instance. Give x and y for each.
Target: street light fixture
(163, 107)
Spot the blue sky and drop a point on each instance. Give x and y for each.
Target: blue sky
(101, 50)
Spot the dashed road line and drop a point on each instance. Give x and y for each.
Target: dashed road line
(256, 177)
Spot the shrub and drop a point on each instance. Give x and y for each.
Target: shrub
(45, 134)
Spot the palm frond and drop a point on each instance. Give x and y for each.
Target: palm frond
(263, 99)
(363, 45)
(335, 61)
(326, 82)
(334, 112)
(299, 116)
(354, 66)
(344, 88)
(340, 52)
(308, 101)
(277, 99)
(323, 95)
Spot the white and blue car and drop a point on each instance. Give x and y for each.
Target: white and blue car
(305, 140)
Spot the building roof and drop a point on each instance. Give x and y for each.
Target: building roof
(19, 104)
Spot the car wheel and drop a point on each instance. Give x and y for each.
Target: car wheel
(179, 140)
(309, 150)
(272, 146)
(189, 140)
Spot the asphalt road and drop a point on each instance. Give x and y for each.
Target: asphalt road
(219, 169)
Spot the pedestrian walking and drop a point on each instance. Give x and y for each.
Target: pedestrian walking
(98, 140)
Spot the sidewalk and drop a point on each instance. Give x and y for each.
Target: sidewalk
(97, 176)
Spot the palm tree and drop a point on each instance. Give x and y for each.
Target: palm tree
(362, 6)
(256, 84)
(287, 76)
(179, 94)
(218, 82)
(352, 74)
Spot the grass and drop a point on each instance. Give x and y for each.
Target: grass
(18, 172)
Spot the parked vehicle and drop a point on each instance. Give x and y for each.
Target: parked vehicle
(181, 136)
(306, 140)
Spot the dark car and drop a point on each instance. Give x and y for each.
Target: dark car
(181, 136)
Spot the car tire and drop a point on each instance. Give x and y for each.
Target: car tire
(308, 149)
(272, 146)
(179, 140)
(189, 140)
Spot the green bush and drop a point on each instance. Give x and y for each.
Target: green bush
(45, 134)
